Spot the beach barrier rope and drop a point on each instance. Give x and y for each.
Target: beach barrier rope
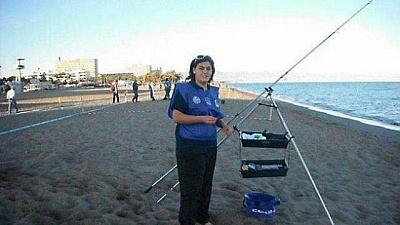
(53, 120)
(128, 111)
(51, 104)
(269, 90)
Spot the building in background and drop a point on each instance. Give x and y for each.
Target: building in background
(84, 69)
(140, 70)
(157, 71)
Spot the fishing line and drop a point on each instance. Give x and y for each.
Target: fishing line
(312, 50)
(270, 90)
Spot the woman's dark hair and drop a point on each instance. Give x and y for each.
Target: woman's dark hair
(196, 61)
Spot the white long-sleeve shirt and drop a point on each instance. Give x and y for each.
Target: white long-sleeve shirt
(10, 94)
(116, 88)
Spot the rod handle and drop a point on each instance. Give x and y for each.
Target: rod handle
(148, 189)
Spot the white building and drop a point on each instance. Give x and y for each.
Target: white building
(38, 75)
(140, 70)
(83, 69)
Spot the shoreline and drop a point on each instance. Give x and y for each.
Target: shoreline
(344, 116)
(328, 111)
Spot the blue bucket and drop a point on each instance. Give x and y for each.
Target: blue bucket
(260, 205)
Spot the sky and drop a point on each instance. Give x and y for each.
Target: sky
(241, 36)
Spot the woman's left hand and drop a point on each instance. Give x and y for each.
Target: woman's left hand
(228, 130)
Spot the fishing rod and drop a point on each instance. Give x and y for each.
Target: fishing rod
(312, 50)
(174, 167)
(270, 90)
(292, 141)
(177, 183)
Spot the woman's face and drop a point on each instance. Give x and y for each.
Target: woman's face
(203, 72)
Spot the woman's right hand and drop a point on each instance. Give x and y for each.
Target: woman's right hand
(208, 119)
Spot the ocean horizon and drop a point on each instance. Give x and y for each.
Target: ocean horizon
(373, 103)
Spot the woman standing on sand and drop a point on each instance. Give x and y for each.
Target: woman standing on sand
(195, 109)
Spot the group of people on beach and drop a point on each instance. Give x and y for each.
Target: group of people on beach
(135, 90)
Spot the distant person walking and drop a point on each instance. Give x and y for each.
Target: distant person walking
(151, 90)
(160, 86)
(12, 102)
(114, 90)
(167, 85)
(135, 88)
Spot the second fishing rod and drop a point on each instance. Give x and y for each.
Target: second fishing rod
(228, 122)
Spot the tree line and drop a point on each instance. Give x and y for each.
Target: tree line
(108, 79)
(146, 78)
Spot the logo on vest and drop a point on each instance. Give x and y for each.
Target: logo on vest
(216, 103)
(196, 100)
(208, 101)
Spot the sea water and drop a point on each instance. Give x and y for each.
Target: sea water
(375, 103)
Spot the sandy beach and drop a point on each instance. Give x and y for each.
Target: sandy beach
(72, 157)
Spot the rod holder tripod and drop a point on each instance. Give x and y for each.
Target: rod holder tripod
(270, 90)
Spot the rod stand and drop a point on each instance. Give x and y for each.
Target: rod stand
(269, 90)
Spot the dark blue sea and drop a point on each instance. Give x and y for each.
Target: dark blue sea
(375, 103)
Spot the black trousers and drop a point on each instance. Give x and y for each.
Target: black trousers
(135, 96)
(115, 96)
(195, 171)
(167, 91)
